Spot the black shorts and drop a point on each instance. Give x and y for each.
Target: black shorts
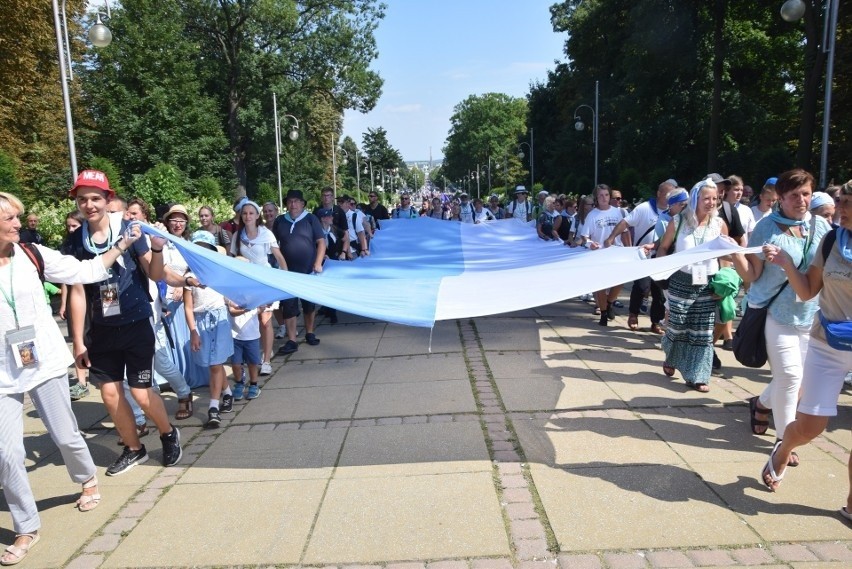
(290, 307)
(117, 352)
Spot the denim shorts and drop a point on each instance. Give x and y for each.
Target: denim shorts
(246, 352)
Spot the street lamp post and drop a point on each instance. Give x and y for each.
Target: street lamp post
(345, 158)
(294, 135)
(579, 125)
(100, 36)
(372, 181)
(792, 11)
(531, 147)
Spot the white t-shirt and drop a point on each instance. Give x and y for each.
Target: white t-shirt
(466, 212)
(757, 214)
(256, 250)
(358, 226)
(246, 326)
(641, 219)
(600, 223)
(205, 299)
(746, 217)
(519, 210)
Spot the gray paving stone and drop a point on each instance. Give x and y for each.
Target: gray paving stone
(664, 559)
(792, 552)
(579, 561)
(711, 558)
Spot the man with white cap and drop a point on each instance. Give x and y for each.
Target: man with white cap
(466, 212)
(519, 208)
(538, 208)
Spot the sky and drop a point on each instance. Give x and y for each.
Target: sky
(433, 54)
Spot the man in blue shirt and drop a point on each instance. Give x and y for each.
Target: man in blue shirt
(302, 241)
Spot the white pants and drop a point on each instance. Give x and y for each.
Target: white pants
(825, 369)
(786, 347)
(54, 408)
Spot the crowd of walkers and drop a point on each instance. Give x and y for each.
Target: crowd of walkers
(138, 317)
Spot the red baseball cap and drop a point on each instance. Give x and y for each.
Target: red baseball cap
(92, 179)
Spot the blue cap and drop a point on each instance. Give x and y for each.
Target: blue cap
(325, 212)
(771, 181)
(204, 238)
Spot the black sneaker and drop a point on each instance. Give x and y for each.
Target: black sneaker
(311, 339)
(127, 460)
(213, 419)
(227, 404)
(717, 363)
(289, 347)
(171, 447)
(604, 320)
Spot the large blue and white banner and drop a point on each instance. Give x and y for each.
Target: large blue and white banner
(424, 270)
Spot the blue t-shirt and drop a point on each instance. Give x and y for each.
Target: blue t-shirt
(133, 298)
(298, 242)
(785, 309)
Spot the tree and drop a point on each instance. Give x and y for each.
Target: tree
(482, 127)
(251, 48)
(32, 121)
(146, 96)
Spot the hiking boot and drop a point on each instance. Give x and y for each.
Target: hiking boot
(289, 347)
(172, 452)
(239, 390)
(227, 403)
(213, 418)
(127, 460)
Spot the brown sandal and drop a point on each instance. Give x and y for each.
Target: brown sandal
(184, 409)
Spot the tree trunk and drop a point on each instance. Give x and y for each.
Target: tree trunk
(238, 153)
(814, 67)
(715, 130)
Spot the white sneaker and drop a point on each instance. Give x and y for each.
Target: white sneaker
(848, 379)
(265, 368)
(282, 332)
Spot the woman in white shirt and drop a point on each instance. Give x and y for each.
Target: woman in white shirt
(255, 242)
(39, 367)
(688, 341)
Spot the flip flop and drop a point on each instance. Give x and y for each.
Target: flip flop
(668, 370)
(770, 470)
(754, 410)
(700, 387)
(20, 552)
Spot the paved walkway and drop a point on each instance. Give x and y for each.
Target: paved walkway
(532, 439)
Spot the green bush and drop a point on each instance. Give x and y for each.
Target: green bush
(161, 184)
(51, 216)
(9, 181)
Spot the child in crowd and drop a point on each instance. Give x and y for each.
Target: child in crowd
(210, 335)
(245, 329)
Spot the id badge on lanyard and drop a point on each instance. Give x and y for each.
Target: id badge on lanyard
(699, 274)
(110, 304)
(22, 343)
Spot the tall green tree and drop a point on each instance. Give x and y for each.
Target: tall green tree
(484, 127)
(250, 48)
(32, 120)
(147, 99)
